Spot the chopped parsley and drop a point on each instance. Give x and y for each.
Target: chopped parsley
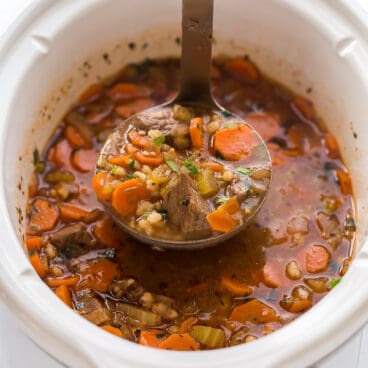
(190, 166)
(159, 141)
(334, 282)
(35, 228)
(221, 200)
(226, 113)
(243, 171)
(113, 169)
(172, 165)
(145, 215)
(131, 176)
(230, 125)
(131, 164)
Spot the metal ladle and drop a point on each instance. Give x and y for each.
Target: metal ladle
(195, 90)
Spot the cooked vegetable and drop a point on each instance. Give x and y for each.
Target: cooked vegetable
(208, 336)
(59, 176)
(226, 217)
(151, 338)
(151, 160)
(344, 181)
(84, 160)
(196, 132)
(235, 143)
(43, 217)
(172, 165)
(122, 160)
(34, 243)
(207, 184)
(235, 288)
(113, 330)
(181, 113)
(63, 293)
(146, 318)
(102, 187)
(254, 311)
(179, 342)
(37, 264)
(316, 259)
(242, 69)
(72, 213)
(59, 281)
(304, 107)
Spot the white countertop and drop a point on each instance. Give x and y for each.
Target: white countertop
(18, 351)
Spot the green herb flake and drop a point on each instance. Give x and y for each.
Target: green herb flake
(334, 282)
(230, 125)
(159, 141)
(243, 171)
(226, 113)
(35, 228)
(172, 165)
(221, 200)
(190, 166)
(145, 215)
(36, 157)
(131, 176)
(131, 164)
(113, 169)
(161, 335)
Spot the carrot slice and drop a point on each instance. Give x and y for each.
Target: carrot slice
(91, 93)
(34, 243)
(101, 187)
(187, 324)
(156, 160)
(139, 140)
(108, 233)
(332, 146)
(196, 132)
(267, 124)
(63, 293)
(113, 330)
(212, 165)
(121, 160)
(234, 143)
(132, 107)
(37, 264)
(131, 149)
(344, 181)
(226, 217)
(126, 196)
(254, 311)
(58, 281)
(74, 137)
(149, 338)
(84, 160)
(234, 287)
(97, 274)
(316, 259)
(60, 154)
(180, 342)
(126, 91)
(303, 107)
(243, 69)
(72, 213)
(298, 306)
(44, 217)
(273, 275)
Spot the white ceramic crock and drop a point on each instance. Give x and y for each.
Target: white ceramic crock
(57, 48)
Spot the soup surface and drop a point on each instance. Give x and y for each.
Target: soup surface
(292, 254)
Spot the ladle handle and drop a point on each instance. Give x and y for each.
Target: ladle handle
(196, 52)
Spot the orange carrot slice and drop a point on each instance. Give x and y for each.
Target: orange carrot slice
(91, 93)
(37, 264)
(108, 233)
(344, 181)
(101, 187)
(113, 330)
(303, 107)
(196, 132)
(154, 161)
(316, 259)
(126, 196)
(34, 243)
(63, 293)
(149, 338)
(121, 160)
(242, 69)
(332, 146)
(58, 281)
(235, 143)
(44, 217)
(255, 312)
(84, 160)
(180, 342)
(226, 217)
(234, 287)
(72, 213)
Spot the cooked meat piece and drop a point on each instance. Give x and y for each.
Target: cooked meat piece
(329, 226)
(128, 288)
(162, 120)
(187, 210)
(240, 187)
(92, 308)
(71, 234)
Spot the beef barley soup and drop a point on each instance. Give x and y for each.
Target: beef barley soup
(294, 252)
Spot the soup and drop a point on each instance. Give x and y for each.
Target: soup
(292, 254)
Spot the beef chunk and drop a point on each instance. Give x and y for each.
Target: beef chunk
(163, 121)
(187, 210)
(71, 234)
(91, 307)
